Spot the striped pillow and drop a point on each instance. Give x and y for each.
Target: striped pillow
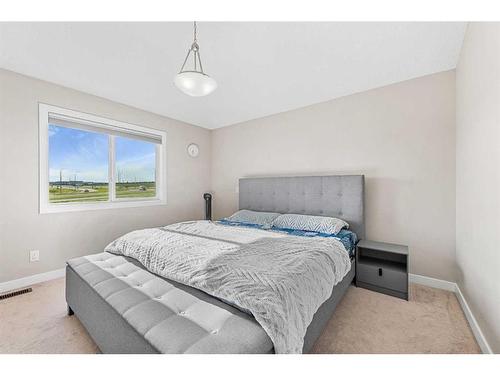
(321, 224)
(253, 217)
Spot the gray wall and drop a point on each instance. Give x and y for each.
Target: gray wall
(402, 137)
(478, 176)
(66, 235)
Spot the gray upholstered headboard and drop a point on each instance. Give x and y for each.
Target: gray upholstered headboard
(336, 196)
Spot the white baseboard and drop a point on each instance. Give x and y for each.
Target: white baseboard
(453, 287)
(31, 280)
(434, 283)
(478, 334)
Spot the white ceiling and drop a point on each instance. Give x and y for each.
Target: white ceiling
(261, 68)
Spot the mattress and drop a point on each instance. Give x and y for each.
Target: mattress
(127, 309)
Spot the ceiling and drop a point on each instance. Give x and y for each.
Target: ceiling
(261, 68)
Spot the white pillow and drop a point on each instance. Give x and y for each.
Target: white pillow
(322, 224)
(254, 217)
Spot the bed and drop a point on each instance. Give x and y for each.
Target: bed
(128, 309)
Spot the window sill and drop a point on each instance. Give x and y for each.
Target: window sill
(68, 207)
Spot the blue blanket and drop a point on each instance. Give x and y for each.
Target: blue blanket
(347, 237)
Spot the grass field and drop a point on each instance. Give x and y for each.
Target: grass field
(135, 189)
(100, 192)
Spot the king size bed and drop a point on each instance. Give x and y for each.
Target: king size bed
(217, 287)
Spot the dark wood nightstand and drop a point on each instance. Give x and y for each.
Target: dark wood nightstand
(382, 267)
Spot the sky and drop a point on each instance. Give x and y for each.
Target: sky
(83, 156)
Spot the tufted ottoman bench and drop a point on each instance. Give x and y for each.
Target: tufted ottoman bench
(127, 309)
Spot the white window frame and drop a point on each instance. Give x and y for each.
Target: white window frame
(45, 110)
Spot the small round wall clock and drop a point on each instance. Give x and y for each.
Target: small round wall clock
(193, 150)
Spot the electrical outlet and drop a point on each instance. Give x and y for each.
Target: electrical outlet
(34, 256)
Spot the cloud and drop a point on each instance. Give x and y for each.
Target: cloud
(53, 130)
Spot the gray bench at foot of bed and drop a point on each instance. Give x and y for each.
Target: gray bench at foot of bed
(126, 309)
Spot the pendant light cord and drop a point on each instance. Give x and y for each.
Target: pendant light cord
(195, 44)
(196, 54)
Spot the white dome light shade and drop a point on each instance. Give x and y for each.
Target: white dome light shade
(195, 83)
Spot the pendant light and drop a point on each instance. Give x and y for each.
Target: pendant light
(194, 82)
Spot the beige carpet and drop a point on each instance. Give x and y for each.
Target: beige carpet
(364, 322)
(368, 322)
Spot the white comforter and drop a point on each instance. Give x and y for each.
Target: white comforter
(281, 279)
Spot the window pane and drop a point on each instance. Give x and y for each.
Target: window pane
(135, 168)
(78, 165)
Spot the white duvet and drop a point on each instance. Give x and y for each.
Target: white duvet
(281, 279)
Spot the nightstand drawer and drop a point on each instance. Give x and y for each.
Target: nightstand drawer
(385, 277)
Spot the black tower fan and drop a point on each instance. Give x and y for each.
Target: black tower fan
(208, 206)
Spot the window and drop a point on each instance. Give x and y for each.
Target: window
(135, 168)
(89, 162)
(78, 165)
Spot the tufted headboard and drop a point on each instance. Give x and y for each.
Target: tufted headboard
(336, 196)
